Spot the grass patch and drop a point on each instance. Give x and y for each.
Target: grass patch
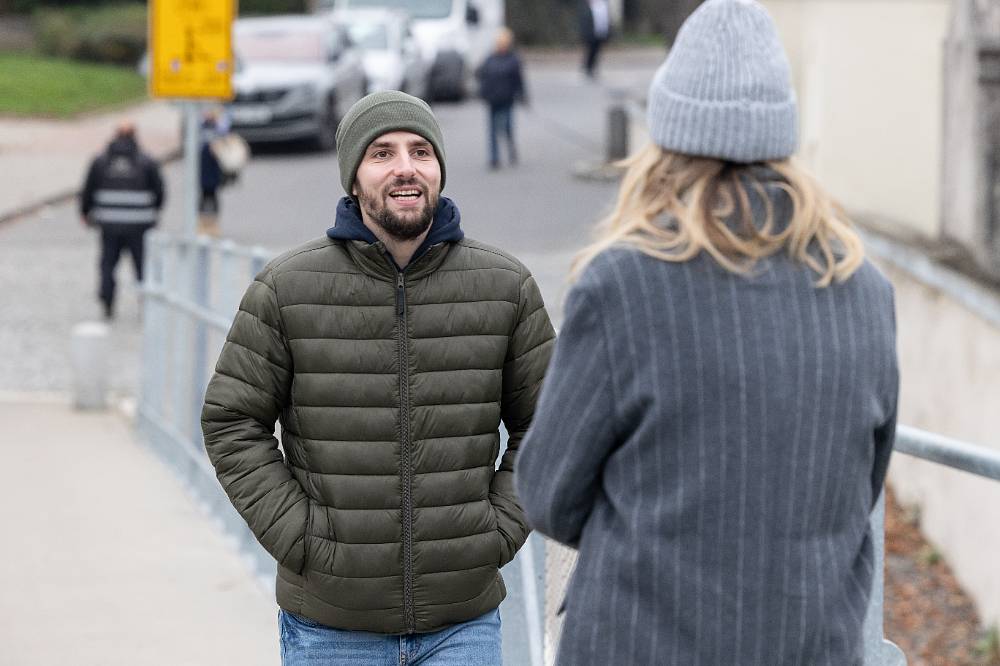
(32, 85)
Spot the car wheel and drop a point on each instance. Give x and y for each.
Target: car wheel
(326, 137)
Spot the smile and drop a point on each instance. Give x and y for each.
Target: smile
(405, 195)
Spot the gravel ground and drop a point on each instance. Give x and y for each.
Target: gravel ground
(48, 267)
(926, 612)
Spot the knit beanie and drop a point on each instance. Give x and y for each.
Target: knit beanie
(379, 113)
(725, 90)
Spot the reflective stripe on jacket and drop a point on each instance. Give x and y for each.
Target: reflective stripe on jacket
(123, 186)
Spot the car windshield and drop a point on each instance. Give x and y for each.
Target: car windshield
(369, 35)
(418, 9)
(280, 46)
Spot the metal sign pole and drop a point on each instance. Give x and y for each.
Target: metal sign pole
(192, 186)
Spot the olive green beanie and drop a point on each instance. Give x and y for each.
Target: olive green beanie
(379, 113)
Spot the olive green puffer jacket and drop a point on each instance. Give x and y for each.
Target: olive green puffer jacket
(386, 513)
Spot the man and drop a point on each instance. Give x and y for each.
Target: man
(391, 350)
(595, 28)
(501, 83)
(122, 195)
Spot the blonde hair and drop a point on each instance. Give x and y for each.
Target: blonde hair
(673, 206)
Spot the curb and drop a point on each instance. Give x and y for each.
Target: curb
(66, 195)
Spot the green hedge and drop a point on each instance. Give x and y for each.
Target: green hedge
(544, 22)
(112, 34)
(265, 7)
(29, 6)
(253, 7)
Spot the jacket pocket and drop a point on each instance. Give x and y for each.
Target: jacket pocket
(307, 537)
(498, 536)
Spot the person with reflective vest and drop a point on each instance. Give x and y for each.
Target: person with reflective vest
(123, 195)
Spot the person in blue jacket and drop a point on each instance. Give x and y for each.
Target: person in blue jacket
(501, 83)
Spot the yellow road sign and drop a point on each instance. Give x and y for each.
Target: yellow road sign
(190, 48)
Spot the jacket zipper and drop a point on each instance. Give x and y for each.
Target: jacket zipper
(406, 466)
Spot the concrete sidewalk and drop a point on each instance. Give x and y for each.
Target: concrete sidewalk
(44, 161)
(107, 559)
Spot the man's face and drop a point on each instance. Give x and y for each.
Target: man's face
(398, 184)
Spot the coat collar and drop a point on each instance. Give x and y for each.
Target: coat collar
(371, 255)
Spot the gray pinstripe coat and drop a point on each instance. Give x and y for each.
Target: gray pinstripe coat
(712, 445)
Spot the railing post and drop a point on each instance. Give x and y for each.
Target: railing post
(258, 260)
(200, 292)
(181, 325)
(154, 357)
(879, 651)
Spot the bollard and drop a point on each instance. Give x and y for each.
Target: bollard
(89, 348)
(617, 145)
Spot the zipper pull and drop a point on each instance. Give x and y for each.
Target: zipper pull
(400, 295)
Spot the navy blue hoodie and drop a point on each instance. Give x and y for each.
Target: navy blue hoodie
(445, 228)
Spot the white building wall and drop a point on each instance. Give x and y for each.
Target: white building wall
(869, 76)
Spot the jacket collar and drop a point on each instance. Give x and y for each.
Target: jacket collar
(370, 253)
(123, 145)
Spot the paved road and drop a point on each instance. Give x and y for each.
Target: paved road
(538, 211)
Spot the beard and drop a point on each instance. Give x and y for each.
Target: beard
(405, 226)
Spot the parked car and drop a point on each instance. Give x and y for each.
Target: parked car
(454, 35)
(296, 77)
(391, 57)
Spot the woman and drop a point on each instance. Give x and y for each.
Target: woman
(210, 176)
(719, 412)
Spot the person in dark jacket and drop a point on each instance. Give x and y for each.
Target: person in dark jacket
(501, 83)
(391, 350)
(595, 30)
(122, 195)
(718, 417)
(210, 178)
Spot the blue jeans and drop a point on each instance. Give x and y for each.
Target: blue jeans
(502, 122)
(308, 643)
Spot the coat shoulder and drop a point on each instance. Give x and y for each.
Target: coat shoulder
(474, 254)
(313, 255)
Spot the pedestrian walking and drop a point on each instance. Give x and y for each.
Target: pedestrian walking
(122, 196)
(595, 30)
(390, 350)
(501, 84)
(719, 413)
(210, 178)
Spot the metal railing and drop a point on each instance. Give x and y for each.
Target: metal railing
(935, 448)
(191, 294)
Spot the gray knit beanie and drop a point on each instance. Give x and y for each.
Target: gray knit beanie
(379, 113)
(725, 89)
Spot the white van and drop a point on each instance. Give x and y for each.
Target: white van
(454, 35)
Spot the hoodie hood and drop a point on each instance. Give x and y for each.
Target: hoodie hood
(123, 145)
(445, 228)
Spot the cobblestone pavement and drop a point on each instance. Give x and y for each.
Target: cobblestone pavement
(48, 269)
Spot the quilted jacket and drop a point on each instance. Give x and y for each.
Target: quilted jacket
(386, 512)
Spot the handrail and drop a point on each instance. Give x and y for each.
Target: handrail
(972, 458)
